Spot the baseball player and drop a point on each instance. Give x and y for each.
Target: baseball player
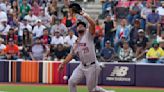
(85, 50)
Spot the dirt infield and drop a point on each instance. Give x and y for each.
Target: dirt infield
(128, 87)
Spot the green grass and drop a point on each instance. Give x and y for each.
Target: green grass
(65, 89)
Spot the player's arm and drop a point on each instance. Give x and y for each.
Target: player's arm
(67, 60)
(92, 23)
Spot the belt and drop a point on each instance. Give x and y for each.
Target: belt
(89, 64)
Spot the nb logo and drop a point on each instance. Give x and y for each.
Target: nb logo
(119, 71)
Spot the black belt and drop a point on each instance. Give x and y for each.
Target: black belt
(89, 64)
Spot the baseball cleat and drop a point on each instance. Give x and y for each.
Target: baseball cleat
(110, 91)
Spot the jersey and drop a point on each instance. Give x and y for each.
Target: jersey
(85, 49)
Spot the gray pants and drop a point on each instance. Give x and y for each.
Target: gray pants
(91, 74)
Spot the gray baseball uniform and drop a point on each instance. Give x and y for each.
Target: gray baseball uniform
(89, 67)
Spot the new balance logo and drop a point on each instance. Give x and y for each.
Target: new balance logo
(119, 71)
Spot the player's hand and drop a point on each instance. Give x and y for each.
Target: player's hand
(61, 67)
(83, 13)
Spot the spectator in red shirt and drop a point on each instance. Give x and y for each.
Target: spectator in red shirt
(11, 51)
(45, 38)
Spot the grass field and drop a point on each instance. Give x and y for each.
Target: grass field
(43, 88)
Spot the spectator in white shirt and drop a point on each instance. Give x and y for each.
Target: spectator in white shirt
(24, 25)
(31, 18)
(59, 26)
(38, 29)
(57, 38)
(160, 10)
(70, 39)
(4, 28)
(3, 5)
(3, 15)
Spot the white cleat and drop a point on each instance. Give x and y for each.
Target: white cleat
(110, 91)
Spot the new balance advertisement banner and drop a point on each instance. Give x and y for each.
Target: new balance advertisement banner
(150, 75)
(119, 74)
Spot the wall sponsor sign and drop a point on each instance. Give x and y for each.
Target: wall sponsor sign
(119, 74)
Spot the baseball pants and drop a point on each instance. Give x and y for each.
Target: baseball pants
(91, 73)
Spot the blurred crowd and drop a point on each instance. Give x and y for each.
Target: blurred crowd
(131, 30)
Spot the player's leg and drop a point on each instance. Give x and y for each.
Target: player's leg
(92, 74)
(75, 78)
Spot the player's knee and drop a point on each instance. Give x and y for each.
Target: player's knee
(71, 82)
(92, 89)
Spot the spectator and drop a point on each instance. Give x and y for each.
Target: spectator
(160, 10)
(107, 5)
(26, 44)
(14, 7)
(11, 35)
(153, 23)
(134, 12)
(142, 44)
(107, 53)
(26, 52)
(45, 38)
(13, 19)
(57, 38)
(3, 15)
(2, 47)
(60, 52)
(26, 38)
(134, 34)
(70, 40)
(122, 30)
(53, 21)
(38, 29)
(24, 8)
(65, 8)
(69, 20)
(144, 13)
(31, 18)
(98, 37)
(4, 28)
(126, 53)
(11, 51)
(38, 50)
(22, 26)
(52, 8)
(154, 53)
(59, 26)
(109, 30)
(3, 5)
(36, 9)
(45, 18)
